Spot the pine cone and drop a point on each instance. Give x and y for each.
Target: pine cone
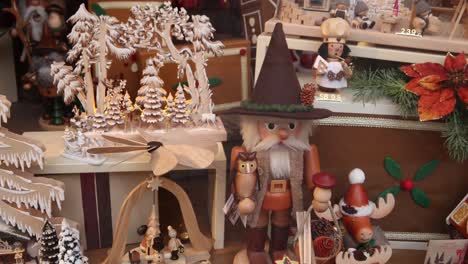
(308, 94)
(322, 228)
(324, 246)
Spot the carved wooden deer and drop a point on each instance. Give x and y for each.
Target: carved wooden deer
(356, 210)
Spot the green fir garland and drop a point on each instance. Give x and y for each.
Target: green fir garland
(371, 85)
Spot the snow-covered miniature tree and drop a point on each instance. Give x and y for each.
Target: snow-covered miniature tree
(49, 250)
(21, 192)
(153, 231)
(127, 103)
(99, 122)
(114, 115)
(181, 114)
(82, 53)
(170, 107)
(149, 26)
(151, 94)
(107, 35)
(69, 246)
(68, 83)
(68, 134)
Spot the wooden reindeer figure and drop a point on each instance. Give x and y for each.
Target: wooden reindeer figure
(245, 181)
(355, 210)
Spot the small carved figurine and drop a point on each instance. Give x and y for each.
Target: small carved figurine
(361, 20)
(425, 22)
(356, 210)
(174, 245)
(333, 74)
(341, 10)
(245, 181)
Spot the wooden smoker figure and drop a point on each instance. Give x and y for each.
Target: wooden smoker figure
(276, 125)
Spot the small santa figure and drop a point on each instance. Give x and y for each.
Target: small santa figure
(333, 75)
(276, 124)
(174, 245)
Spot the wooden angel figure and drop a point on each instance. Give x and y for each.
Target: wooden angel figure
(276, 125)
(355, 210)
(361, 20)
(331, 66)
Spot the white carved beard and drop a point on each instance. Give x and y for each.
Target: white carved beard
(36, 26)
(279, 162)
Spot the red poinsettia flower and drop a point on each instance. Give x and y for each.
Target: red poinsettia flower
(438, 86)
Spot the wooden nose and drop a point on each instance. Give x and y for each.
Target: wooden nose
(283, 134)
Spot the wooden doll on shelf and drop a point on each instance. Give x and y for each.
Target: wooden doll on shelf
(361, 20)
(341, 10)
(331, 67)
(425, 22)
(276, 125)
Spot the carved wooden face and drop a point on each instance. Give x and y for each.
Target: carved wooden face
(247, 162)
(359, 228)
(282, 129)
(335, 49)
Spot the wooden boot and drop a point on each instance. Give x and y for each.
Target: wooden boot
(256, 238)
(278, 242)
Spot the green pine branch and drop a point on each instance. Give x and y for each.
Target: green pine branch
(456, 135)
(372, 85)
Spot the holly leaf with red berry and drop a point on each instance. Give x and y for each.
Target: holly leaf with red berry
(418, 195)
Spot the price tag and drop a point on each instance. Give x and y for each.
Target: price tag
(409, 32)
(332, 97)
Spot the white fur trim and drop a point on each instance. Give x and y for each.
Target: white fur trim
(361, 210)
(356, 176)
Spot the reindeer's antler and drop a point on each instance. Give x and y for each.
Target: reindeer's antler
(381, 255)
(384, 207)
(327, 213)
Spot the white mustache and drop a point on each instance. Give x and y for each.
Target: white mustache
(273, 140)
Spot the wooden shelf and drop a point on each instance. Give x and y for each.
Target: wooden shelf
(434, 44)
(381, 107)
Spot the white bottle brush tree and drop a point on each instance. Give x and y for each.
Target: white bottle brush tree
(151, 94)
(93, 38)
(69, 246)
(150, 26)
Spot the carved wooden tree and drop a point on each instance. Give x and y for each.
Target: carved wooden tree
(68, 83)
(170, 107)
(113, 110)
(181, 114)
(21, 192)
(81, 37)
(49, 250)
(151, 94)
(149, 26)
(99, 122)
(127, 103)
(107, 34)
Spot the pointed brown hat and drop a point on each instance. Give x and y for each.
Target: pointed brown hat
(277, 91)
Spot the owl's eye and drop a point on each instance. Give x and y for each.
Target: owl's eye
(251, 165)
(271, 126)
(292, 126)
(242, 166)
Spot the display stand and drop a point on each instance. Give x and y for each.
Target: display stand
(102, 186)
